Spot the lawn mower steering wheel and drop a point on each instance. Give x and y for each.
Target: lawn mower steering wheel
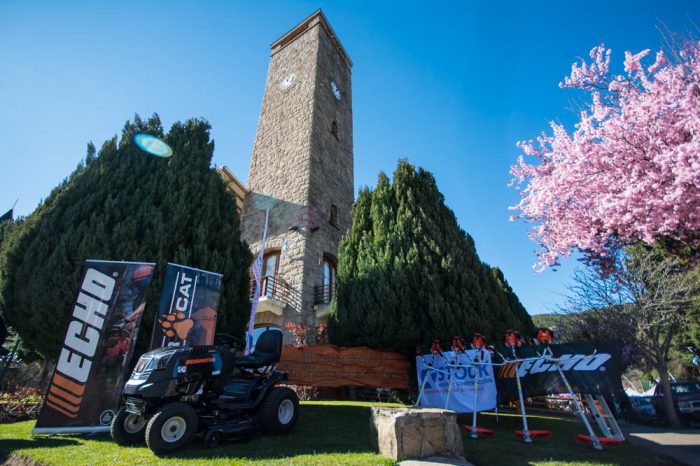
(221, 339)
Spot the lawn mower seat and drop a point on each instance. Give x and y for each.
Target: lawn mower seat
(268, 350)
(228, 361)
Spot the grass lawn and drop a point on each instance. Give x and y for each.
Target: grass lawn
(328, 433)
(561, 449)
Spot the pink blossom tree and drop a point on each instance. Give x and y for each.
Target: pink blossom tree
(630, 170)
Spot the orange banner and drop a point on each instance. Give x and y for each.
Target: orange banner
(332, 366)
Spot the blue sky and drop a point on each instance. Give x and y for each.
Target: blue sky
(451, 86)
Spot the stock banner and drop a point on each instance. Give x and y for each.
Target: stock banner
(188, 307)
(86, 386)
(454, 372)
(333, 366)
(587, 370)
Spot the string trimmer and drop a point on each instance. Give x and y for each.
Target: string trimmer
(478, 344)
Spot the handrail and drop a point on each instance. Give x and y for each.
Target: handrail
(275, 287)
(324, 294)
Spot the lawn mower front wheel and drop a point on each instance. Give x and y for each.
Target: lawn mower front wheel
(171, 428)
(127, 428)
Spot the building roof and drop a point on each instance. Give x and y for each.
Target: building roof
(316, 18)
(228, 175)
(234, 185)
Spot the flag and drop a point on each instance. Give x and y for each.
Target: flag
(257, 271)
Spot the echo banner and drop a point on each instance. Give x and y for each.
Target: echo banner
(188, 307)
(333, 366)
(587, 370)
(86, 386)
(456, 374)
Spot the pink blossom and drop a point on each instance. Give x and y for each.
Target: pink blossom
(630, 171)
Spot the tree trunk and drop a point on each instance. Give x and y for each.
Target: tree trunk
(669, 406)
(45, 371)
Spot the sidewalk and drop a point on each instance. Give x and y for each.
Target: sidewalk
(436, 461)
(683, 445)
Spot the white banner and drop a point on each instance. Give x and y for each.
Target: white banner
(457, 373)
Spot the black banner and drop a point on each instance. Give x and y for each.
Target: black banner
(188, 307)
(86, 386)
(587, 370)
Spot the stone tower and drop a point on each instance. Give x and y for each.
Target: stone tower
(302, 170)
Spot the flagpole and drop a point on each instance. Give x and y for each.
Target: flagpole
(257, 272)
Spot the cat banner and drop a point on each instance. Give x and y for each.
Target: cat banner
(455, 373)
(92, 366)
(188, 307)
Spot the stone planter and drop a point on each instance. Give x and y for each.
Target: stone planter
(401, 433)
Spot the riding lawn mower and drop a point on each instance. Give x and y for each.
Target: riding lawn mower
(176, 393)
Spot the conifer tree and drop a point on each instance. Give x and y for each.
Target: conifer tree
(125, 205)
(407, 273)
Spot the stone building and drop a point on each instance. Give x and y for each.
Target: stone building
(301, 172)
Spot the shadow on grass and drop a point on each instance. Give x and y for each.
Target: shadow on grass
(8, 446)
(507, 448)
(319, 429)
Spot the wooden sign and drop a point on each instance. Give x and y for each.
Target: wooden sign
(332, 366)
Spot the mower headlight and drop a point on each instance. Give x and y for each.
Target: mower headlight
(142, 364)
(159, 361)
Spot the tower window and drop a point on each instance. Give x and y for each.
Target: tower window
(334, 216)
(270, 274)
(325, 292)
(334, 129)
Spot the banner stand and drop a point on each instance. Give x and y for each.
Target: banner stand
(441, 378)
(70, 430)
(86, 385)
(188, 307)
(593, 436)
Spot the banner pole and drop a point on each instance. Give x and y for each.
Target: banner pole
(579, 408)
(422, 387)
(526, 431)
(477, 358)
(425, 379)
(453, 363)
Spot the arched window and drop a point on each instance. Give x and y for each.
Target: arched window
(328, 279)
(270, 270)
(334, 216)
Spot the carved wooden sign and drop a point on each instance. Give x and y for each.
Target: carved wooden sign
(333, 366)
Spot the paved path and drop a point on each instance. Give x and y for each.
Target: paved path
(436, 461)
(683, 445)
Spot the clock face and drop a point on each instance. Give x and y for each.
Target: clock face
(336, 90)
(287, 82)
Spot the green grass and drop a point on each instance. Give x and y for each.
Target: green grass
(560, 449)
(328, 433)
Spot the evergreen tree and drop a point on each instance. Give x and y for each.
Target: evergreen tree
(407, 273)
(125, 205)
(516, 311)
